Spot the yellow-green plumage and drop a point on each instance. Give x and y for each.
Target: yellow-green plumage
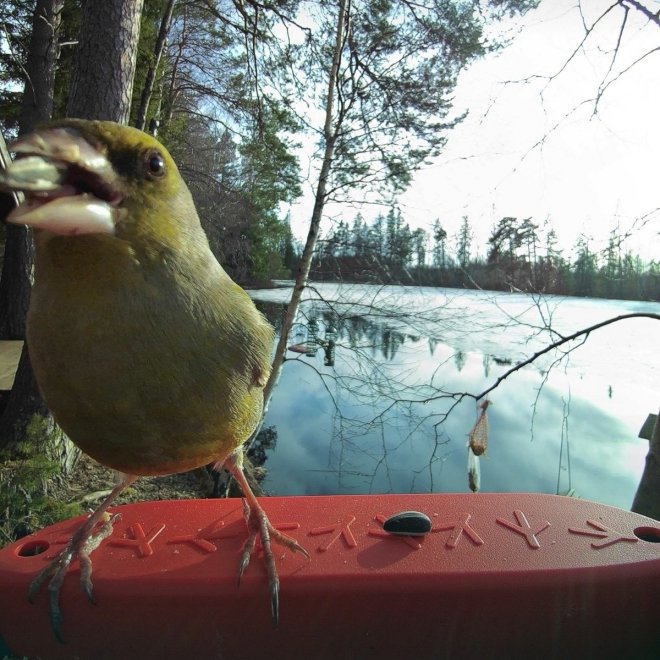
(151, 359)
(149, 356)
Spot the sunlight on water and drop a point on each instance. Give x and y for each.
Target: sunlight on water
(388, 416)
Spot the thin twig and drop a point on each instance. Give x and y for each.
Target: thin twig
(560, 342)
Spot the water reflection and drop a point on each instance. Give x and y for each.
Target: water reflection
(369, 404)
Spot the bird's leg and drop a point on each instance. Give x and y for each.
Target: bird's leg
(258, 523)
(83, 542)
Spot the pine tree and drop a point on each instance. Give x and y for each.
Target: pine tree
(439, 245)
(463, 243)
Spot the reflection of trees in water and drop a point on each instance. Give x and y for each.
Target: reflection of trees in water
(352, 330)
(372, 391)
(459, 360)
(377, 400)
(370, 446)
(387, 395)
(372, 328)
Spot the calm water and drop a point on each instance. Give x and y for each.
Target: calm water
(382, 411)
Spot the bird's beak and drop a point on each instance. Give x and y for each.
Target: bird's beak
(70, 186)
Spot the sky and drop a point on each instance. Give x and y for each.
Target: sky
(534, 144)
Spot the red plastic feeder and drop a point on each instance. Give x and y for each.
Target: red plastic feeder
(498, 576)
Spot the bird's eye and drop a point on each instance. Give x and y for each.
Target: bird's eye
(155, 165)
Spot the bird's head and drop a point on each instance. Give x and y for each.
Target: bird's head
(99, 177)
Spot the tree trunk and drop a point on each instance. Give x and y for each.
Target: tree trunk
(102, 88)
(151, 73)
(102, 85)
(16, 280)
(170, 98)
(302, 274)
(37, 106)
(647, 498)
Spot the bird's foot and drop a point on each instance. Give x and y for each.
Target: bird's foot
(83, 542)
(258, 523)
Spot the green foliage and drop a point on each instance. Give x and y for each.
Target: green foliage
(270, 170)
(16, 19)
(68, 38)
(267, 236)
(25, 504)
(267, 176)
(230, 145)
(152, 12)
(238, 188)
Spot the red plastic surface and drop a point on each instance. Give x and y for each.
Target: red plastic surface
(499, 575)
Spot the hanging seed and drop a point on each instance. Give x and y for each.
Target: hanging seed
(408, 523)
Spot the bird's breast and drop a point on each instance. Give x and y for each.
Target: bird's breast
(137, 369)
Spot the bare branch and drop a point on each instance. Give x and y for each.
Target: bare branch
(654, 18)
(585, 332)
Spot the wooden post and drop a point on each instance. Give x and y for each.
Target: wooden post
(647, 498)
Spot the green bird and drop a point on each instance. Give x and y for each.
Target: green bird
(151, 359)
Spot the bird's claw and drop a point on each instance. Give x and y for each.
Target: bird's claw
(275, 600)
(258, 523)
(83, 542)
(248, 548)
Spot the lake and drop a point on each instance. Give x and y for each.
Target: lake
(379, 402)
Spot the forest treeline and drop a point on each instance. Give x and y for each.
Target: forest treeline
(520, 255)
